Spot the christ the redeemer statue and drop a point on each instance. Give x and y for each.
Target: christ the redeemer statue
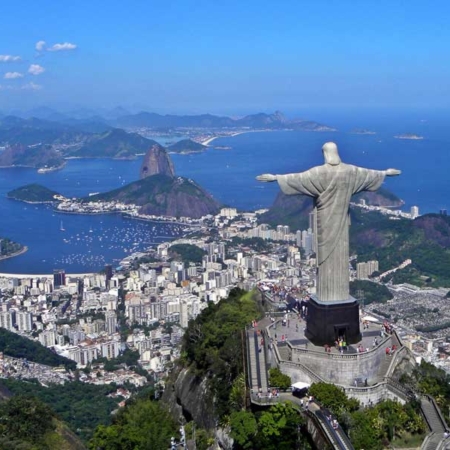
(332, 186)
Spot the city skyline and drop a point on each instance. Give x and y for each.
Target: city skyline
(193, 57)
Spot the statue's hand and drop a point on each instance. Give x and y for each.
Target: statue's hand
(267, 177)
(393, 172)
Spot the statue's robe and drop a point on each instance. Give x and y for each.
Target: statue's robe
(332, 186)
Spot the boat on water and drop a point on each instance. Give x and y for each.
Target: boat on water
(61, 227)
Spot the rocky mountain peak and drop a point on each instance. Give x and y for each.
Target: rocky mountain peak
(156, 161)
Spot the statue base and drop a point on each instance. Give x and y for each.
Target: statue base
(328, 321)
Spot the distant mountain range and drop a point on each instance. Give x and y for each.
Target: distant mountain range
(119, 117)
(254, 121)
(89, 135)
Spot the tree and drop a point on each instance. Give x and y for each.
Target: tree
(329, 396)
(144, 425)
(279, 379)
(243, 429)
(237, 394)
(278, 428)
(363, 434)
(26, 418)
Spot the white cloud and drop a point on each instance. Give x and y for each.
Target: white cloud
(9, 58)
(36, 69)
(40, 46)
(60, 47)
(31, 87)
(12, 75)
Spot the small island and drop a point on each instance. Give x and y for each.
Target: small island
(186, 146)
(9, 249)
(34, 193)
(411, 136)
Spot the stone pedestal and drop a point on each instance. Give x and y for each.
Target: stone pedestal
(327, 321)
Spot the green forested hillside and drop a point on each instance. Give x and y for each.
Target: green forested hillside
(164, 195)
(113, 143)
(38, 156)
(212, 343)
(26, 423)
(82, 406)
(34, 193)
(425, 240)
(19, 347)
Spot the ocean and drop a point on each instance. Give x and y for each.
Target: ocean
(89, 242)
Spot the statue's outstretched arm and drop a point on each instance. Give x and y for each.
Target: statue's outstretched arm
(392, 172)
(267, 177)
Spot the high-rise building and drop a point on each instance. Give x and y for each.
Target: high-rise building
(59, 278)
(111, 322)
(24, 321)
(414, 212)
(443, 212)
(8, 319)
(365, 269)
(298, 238)
(109, 274)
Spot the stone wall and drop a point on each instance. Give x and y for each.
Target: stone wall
(342, 369)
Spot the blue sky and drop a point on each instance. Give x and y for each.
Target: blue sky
(225, 57)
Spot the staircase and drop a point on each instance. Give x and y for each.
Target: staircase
(432, 441)
(262, 369)
(283, 351)
(253, 362)
(432, 416)
(383, 368)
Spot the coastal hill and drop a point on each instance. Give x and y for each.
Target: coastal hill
(33, 193)
(40, 143)
(254, 121)
(186, 146)
(164, 195)
(36, 156)
(373, 236)
(424, 240)
(113, 143)
(293, 210)
(32, 131)
(159, 192)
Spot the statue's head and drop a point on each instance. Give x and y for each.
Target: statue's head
(330, 153)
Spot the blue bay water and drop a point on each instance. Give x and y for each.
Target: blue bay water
(91, 241)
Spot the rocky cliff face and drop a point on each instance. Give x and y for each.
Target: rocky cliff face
(155, 162)
(189, 396)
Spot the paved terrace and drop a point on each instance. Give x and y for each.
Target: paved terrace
(294, 332)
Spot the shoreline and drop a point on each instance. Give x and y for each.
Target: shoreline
(12, 255)
(211, 139)
(43, 275)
